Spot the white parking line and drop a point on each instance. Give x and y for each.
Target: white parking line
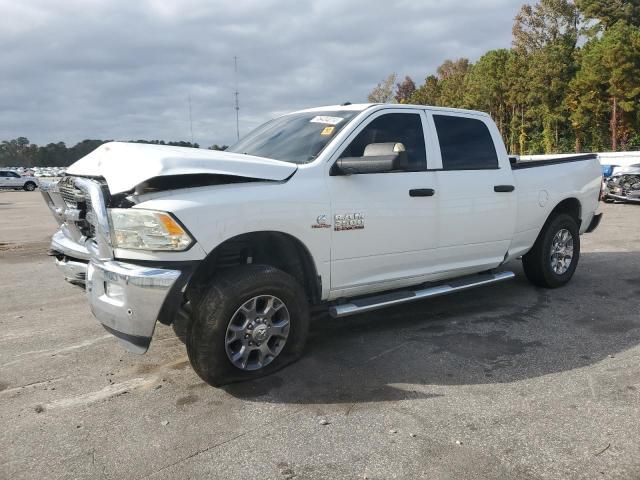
(106, 392)
(50, 352)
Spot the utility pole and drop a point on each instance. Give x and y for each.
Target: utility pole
(235, 64)
(190, 120)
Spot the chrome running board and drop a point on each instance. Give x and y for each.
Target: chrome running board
(368, 304)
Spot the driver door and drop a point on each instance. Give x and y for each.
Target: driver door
(383, 233)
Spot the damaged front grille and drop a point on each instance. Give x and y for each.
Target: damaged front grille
(80, 206)
(79, 209)
(625, 185)
(630, 184)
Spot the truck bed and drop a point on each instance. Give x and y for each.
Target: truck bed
(540, 185)
(519, 164)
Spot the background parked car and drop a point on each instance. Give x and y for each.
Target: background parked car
(13, 180)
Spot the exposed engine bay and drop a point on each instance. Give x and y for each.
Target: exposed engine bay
(623, 185)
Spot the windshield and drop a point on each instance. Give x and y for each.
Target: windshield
(295, 138)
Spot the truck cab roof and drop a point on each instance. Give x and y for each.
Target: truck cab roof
(359, 107)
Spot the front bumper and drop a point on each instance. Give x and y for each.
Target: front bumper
(623, 198)
(126, 299)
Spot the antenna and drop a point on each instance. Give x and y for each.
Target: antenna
(190, 120)
(235, 64)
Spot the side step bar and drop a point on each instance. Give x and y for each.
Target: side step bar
(368, 304)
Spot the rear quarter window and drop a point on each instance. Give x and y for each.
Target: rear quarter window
(465, 143)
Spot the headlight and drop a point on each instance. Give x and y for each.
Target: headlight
(147, 230)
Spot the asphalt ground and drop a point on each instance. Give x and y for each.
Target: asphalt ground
(503, 382)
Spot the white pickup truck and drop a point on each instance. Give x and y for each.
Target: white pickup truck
(350, 207)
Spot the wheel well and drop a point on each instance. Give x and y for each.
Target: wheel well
(277, 249)
(570, 206)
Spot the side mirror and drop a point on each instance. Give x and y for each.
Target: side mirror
(377, 158)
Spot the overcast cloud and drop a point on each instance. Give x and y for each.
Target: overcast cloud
(124, 69)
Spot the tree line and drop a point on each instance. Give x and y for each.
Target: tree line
(569, 82)
(19, 152)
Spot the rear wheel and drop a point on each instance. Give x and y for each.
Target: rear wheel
(553, 259)
(29, 186)
(249, 322)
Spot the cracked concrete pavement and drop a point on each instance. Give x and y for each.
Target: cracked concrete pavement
(507, 381)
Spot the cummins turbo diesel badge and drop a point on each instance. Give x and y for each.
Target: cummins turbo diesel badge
(349, 221)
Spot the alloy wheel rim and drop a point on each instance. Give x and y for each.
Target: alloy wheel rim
(257, 332)
(561, 251)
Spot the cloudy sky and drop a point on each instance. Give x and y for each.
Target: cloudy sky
(124, 69)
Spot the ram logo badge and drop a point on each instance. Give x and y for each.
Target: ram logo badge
(349, 221)
(321, 222)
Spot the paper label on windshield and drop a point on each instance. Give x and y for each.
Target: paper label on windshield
(327, 131)
(326, 120)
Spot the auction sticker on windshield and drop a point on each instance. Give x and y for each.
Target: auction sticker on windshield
(326, 120)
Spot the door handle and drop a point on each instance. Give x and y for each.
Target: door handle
(504, 188)
(422, 192)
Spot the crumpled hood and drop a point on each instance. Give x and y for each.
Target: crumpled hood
(627, 170)
(126, 165)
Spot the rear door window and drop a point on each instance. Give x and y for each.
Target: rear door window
(465, 143)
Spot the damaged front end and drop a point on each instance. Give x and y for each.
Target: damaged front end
(135, 263)
(623, 185)
(126, 298)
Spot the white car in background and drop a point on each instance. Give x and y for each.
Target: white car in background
(13, 180)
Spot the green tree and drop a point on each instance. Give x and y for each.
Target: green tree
(383, 91)
(607, 86)
(428, 93)
(404, 90)
(517, 71)
(545, 36)
(451, 81)
(587, 100)
(486, 88)
(608, 12)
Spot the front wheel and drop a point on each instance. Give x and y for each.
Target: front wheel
(553, 259)
(29, 186)
(251, 321)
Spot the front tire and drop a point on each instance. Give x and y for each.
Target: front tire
(553, 259)
(29, 186)
(249, 322)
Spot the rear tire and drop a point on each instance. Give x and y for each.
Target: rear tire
(29, 186)
(553, 259)
(249, 322)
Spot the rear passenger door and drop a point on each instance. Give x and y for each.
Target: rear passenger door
(475, 197)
